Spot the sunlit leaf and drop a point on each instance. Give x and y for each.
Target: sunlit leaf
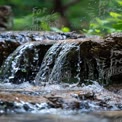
(97, 30)
(119, 2)
(115, 15)
(45, 26)
(65, 29)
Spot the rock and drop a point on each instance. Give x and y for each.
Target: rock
(73, 72)
(33, 98)
(78, 60)
(83, 60)
(108, 55)
(6, 47)
(23, 64)
(60, 64)
(9, 41)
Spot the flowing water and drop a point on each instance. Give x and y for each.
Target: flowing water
(58, 66)
(56, 82)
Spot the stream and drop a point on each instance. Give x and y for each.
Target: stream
(60, 77)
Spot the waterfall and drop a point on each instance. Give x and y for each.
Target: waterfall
(68, 61)
(60, 64)
(23, 64)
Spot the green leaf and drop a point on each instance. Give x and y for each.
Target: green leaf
(45, 26)
(119, 2)
(97, 30)
(115, 15)
(65, 29)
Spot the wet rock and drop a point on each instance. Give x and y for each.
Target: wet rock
(67, 64)
(20, 107)
(83, 60)
(81, 99)
(60, 64)
(6, 47)
(9, 41)
(55, 102)
(23, 64)
(108, 57)
(78, 60)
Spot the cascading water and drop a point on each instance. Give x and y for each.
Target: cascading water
(61, 64)
(23, 64)
(58, 70)
(48, 63)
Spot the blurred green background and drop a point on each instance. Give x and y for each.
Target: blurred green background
(97, 17)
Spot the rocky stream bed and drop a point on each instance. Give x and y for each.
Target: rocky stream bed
(60, 77)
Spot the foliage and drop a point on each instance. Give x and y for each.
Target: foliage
(35, 22)
(109, 24)
(89, 16)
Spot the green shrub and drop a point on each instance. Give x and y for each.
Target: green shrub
(111, 23)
